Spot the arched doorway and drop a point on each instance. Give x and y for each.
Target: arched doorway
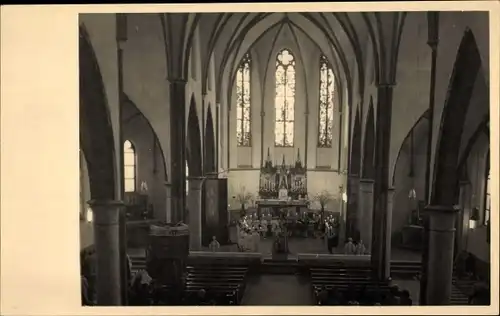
(466, 69)
(209, 143)
(96, 133)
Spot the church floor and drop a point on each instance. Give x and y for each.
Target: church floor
(278, 290)
(300, 245)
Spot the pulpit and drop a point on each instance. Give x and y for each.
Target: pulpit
(167, 252)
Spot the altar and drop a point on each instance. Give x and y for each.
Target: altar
(283, 195)
(276, 206)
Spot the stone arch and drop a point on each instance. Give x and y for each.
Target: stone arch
(409, 173)
(465, 70)
(193, 148)
(209, 143)
(353, 179)
(96, 132)
(139, 115)
(368, 170)
(355, 161)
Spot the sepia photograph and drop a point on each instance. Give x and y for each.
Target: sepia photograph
(285, 158)
(250, 159)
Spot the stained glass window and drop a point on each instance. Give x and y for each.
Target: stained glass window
(326, 103)
(243, 113)
(187, 180)
(129, 161)
(285, 99)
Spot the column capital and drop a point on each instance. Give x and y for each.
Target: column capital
(433, 44)
(464, 182)
(442, 218)
(386, 84)
(212, 175)
(441, 209)
(121, 44)
(195, 183)
(105, 211)
(105, 203)
(366, 180)
(177, 80)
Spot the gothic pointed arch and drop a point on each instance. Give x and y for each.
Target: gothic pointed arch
(96, 133)
(368, 171)
(355, 161)
(465, 71)
(194, 151)
(209, 143)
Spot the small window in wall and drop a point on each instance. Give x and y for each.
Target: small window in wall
(487, 202)
(129, 161)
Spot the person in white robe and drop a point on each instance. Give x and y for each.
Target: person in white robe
(350, 247)
(360, 248)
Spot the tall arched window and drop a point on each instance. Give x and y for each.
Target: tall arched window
(326, 103)
(243, 111)
(487, 198)
(187, 175)
(285, 99)
(129, 161)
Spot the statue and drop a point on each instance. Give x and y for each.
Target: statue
(283, 176)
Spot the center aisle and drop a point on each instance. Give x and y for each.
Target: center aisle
(278, 290)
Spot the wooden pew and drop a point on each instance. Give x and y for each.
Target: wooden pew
(344, 277)
(219, 279)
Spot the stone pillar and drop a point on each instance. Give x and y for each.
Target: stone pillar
(365, 206)
(194, 212)
(178, 148)
(343, 220)
(388, 229)
(440, 259)
(167, 214)
(381, 185)
(352, 228)
(464, 215)
(107, 245)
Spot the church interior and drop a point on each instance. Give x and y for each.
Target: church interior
(334, 158)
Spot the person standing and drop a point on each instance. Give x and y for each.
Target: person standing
(330, 235)
(360, 248)
(350, 248)
(214, 244)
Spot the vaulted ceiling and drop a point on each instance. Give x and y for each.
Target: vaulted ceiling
(343, 37)
(231, 35)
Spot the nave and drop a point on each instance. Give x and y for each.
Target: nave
(295, 142)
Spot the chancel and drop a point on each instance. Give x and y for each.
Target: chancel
(285, 158)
